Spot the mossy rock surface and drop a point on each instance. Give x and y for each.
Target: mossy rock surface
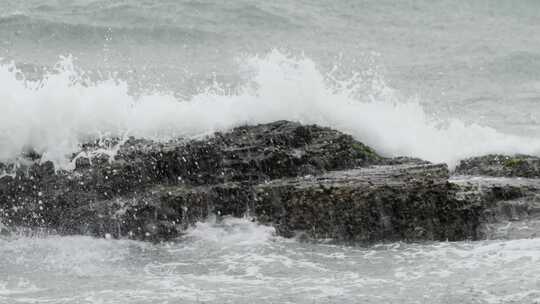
(501, 166)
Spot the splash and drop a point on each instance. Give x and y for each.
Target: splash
(55, 115)
(119, 271)
(231, 231)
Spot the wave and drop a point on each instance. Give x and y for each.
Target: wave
(55, 115)
(144, 22)
(32, 27)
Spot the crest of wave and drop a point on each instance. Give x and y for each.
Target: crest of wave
(55, 115)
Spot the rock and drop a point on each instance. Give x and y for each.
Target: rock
(4, 230)
(501, 165)
(303, 180)
(382, 203)
(509, 207)
(37, 196)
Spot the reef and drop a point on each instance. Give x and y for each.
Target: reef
(307, 181)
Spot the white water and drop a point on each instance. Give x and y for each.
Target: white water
(238, 261)
(55, 115)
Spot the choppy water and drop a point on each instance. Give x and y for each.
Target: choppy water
(438, 80)
(238, 261)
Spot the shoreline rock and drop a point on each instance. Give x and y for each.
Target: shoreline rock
(381, 203)
(509, 207)
(303, 180)
(500, 166)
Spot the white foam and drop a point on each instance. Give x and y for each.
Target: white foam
(214, 268)
(231, 231)
(21, 287)
(55, 115)
(67, 255)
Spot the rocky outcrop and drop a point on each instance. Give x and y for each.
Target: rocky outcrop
(38, 196)
(507, 191)
(306, 181)
(509, 207)
(501, 165)
(391, 202)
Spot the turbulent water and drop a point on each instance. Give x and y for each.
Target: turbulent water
(241, 262)
(441, 81)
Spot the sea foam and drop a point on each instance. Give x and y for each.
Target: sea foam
(56, 114)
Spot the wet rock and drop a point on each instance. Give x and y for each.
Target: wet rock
(509, 207)
(35, 195)
(501, 165)
(303, 180)
(381, 203)
(4, 230)
(506, 189)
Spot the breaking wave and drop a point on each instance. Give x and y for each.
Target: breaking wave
(56, 114)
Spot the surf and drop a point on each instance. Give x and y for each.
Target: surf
(55, 115)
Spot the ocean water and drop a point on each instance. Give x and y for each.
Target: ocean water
(238, 261)
(440, 80)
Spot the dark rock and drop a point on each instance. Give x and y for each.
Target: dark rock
(501, 165)
(73, 202)
(306, 180)
(509, 207)
(382, 203)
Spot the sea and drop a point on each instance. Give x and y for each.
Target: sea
(439, 80)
